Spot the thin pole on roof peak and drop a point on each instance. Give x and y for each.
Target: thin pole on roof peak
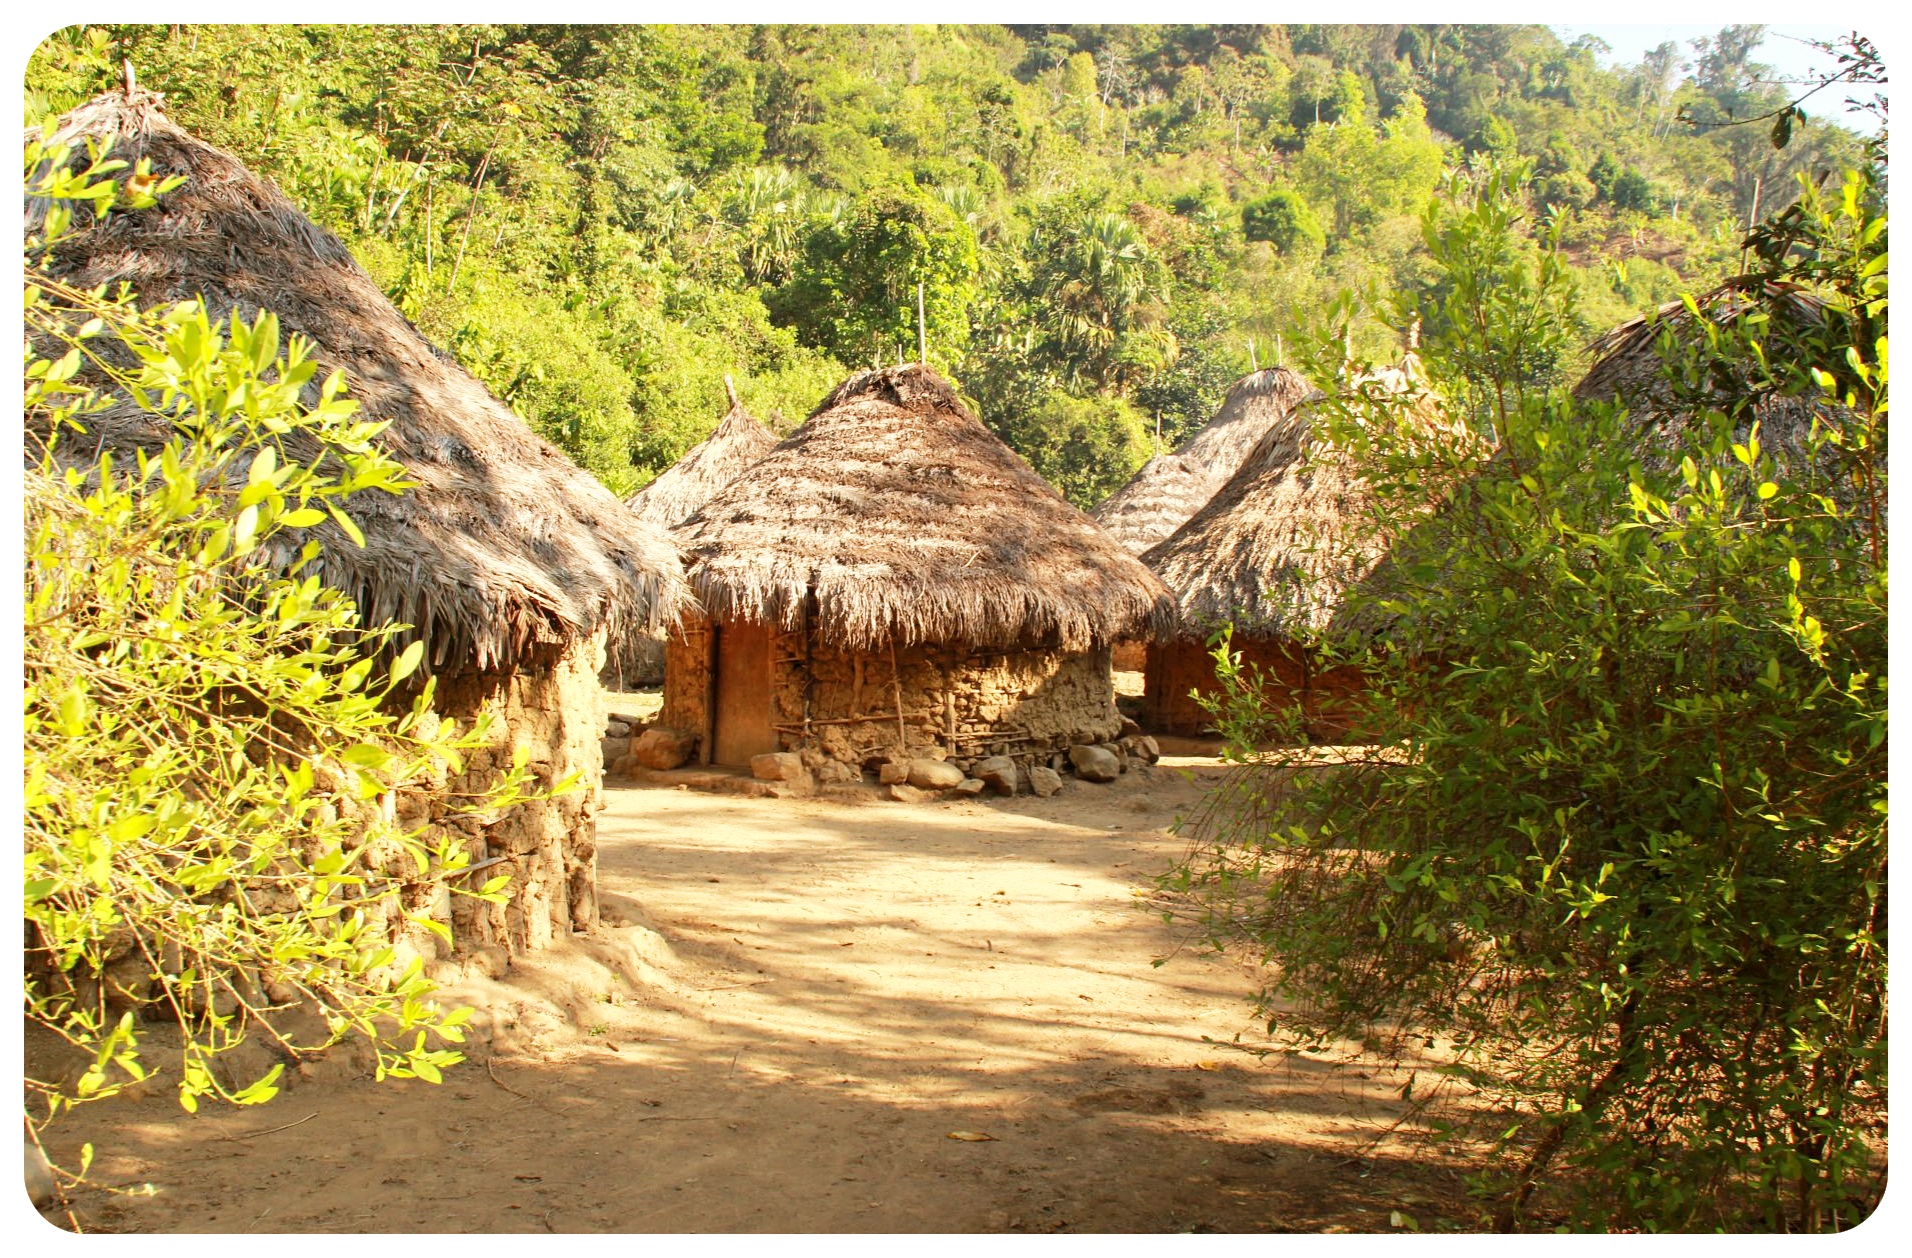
(922, 340)
(730, 389)
(127, 78)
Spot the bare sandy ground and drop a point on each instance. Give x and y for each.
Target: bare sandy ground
(806, 1016)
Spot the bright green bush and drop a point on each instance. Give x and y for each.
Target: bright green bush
(1622, 851)
(212, 742)
(1284, 220)
(1086, 447)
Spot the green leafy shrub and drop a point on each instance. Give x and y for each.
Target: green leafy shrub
(1623, 847)
(214, 742)
(1284, 220)
(1086, 447)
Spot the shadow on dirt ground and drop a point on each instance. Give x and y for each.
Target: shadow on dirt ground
(804, 1016)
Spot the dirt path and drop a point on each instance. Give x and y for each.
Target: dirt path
(811, 998)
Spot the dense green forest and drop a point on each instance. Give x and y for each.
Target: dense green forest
(1110, 223)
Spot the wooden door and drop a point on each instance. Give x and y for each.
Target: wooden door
(743, 705)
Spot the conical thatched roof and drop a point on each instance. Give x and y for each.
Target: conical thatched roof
(739, 440)
(1629, 369)
(497, 551)
(908, 521)
(1170, 488)
(1277, 547)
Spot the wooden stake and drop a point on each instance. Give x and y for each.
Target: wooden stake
(1753, 221)
(809, 666)
(730, 389)
(896, 683)
(922, 341)
(710, 693)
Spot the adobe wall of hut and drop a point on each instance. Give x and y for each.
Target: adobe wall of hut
(1329, 697)
(769, 694)
(554, 709)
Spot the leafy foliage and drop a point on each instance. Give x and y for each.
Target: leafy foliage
(214, 743)
(1284, 220)
(603, 220)
(1623, 845)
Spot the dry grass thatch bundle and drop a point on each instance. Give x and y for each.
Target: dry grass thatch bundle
(1170, 488)
(906, 520)
(497, 552)
(1277, 547)
(1629, 368)
(739, 440)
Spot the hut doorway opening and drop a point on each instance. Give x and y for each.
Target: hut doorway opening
(742, 711)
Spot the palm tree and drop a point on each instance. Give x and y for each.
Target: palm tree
(1106, 290)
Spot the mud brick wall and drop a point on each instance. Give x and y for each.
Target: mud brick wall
(555, 711)
(1330, 698)
(964, 702)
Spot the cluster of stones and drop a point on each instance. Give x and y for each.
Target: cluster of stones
(909, 776)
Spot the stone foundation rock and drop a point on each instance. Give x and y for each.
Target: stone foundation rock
(999, 772)
(934, 775)
(1094, 763)
(662, 747)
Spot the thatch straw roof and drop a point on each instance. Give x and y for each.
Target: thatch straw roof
(908, 521)
(739, 440)
(1629, 369)
(496, 553)
(1276, 548)
(1170, 488)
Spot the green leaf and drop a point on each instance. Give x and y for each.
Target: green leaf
(408, 660)
(366, 756)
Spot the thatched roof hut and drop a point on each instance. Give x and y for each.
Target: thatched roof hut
(497, 552)
(1170, 488)
(906, 520)
(1273, 553)
(892, 576)
(1629, 368)
(739, 440)
(495, 555)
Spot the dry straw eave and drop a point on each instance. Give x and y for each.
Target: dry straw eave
(738, 441)
(1170, 488)
(894, 515)
(496, 554)
(1275, 550)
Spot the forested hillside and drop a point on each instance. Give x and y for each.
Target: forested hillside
(1110, 223)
